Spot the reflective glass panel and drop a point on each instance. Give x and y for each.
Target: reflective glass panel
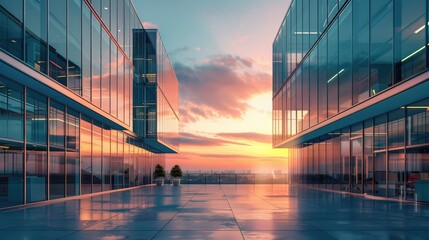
(57, 41)
(11, 27)
(381, 47)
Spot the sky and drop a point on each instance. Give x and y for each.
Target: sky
(221, 52)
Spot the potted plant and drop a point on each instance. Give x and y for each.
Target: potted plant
(176, 174)
(159, 175)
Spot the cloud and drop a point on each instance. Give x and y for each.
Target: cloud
(189, 139)
(249, 136)
(150, 25)
(219, 87)
(178, 51)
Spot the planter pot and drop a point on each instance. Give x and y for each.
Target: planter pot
(159, 181)
(176, 182)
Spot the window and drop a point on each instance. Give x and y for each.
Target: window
(360, 50)
(410, 49)
(11, 31)
(333, 71)
(74, 75)
(36, 35)
(345, 71)
(323, 79)
(57, 41)
(381, 47)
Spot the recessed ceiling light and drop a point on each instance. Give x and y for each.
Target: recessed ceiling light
(14, 41)
(106, 8)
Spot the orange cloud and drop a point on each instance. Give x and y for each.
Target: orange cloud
(150, 25)
(189, 139)
(220, 87)
(248, 136)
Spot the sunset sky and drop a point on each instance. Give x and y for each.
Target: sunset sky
(221, 52)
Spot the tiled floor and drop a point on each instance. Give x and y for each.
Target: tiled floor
(218, 212)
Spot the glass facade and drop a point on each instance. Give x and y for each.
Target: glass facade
(156, 99)
(76, 50)
(379, 156)
(67, 123)
(360, 48)
(360, 54)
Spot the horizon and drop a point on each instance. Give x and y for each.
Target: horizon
(230, 128)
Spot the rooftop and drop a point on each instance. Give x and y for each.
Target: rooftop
(218, 212)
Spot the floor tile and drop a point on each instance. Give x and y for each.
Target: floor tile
(197, 235)
(111, 235)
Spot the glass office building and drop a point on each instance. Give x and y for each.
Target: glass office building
(350, 96)
(66, 100)
(155, 93)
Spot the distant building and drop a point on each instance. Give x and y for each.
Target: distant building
(67, 76)
(350, 96)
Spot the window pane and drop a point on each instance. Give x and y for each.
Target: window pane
(36, 16)
(56, 125)
(360, 50)
(36, 122)
(117, 162)
(86, 152)
(314, 30)
(380, 183)
(336, 151)
(12, 175)
(105, 12)
(323, 15)
(11, 32)
(417, 123)
(106, 159)
(323, 79)
(381, 45)
(37, 170)
(86, 52)
(332, 9)
(417, 168)
(11, 110)
(345, 59)
(57, 41)
(74, 46)
(380, 133)
(333, 71)
(313, 86)
(113, 81)
(305, 26)
(298, 30)
(369, 160)
(410, 38)
(72, 138)
(73, 174)
(305, 94)
(396, 173)
(96, 157)
(106, 65)
(396, 128)
(56, 173)
(345, 160)
(96, 63)
(73, 146)
(37, 159)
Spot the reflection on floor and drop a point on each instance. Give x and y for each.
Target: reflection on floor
(218, 212)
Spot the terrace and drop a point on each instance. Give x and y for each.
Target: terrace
(217, 211)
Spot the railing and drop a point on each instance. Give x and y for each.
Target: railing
(233, 178)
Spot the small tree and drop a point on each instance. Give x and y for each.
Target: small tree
(159, 171)
(176, 171)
